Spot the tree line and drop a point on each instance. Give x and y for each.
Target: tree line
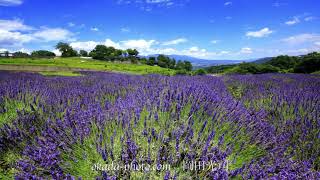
(105, 53)
(309, 63)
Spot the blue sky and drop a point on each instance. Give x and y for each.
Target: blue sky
(209, 29)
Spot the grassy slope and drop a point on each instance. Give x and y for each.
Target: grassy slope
(89, 65)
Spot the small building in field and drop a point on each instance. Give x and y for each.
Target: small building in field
(5, 54)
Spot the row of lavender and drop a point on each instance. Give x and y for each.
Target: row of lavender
(69, 126)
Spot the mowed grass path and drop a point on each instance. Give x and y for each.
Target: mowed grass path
(88, 64)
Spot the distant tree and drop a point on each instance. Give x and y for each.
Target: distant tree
(200, 72)
(163, 61)
(43, 53)
(172, 63)
(20, 54)
(66, 50)
(143, 60)
(99, 52)
(118, 52)
(220, 68)
(83, 53)
(284, 62)
(187, 65)
(151, 61)
(309, 64)
(103, 52)
(132, 52)
(267, 68)
(179, 65)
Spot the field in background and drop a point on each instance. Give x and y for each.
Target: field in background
(78, 64)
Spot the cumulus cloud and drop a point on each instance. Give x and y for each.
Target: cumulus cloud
(11, 39)
(53, 34)
(14, 25)
(10, 2)
(14, 33)
(175, 42)
(259, 34)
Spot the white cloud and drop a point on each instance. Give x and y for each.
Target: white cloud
(53, 34)
(259, 34)
(246, 50)
(138, 44)
(175, 42)
(294, 21)
(142, 45)
(125, 30)
(10, 2)
(317, 43)
(109, 42)
(14, 33)
(94, 29)
(57, 52)
(228, 18)
(157, 1)
(14, 25)
(88, 45)
(301, 39)
(278, 4)
(70, 24)
(8, 38)
(215, 41)
(310, 18)
(229, 3)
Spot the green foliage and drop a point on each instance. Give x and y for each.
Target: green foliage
(76, 63)
(163, 61)
(220, 68)
(83, 53)
(186, 65)
(8, 110)
(132, 52)
(309, 64)
(200, 72)
(103, 52)
(20, 54)
(143, 60)
(8, 162)
(151, 61)
(66, 50)
(60, 73)
(284, 62)
(182, 72)
(42, 53)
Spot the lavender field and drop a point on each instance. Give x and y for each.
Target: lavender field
(236, 126)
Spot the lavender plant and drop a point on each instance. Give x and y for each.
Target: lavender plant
(240, 127)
